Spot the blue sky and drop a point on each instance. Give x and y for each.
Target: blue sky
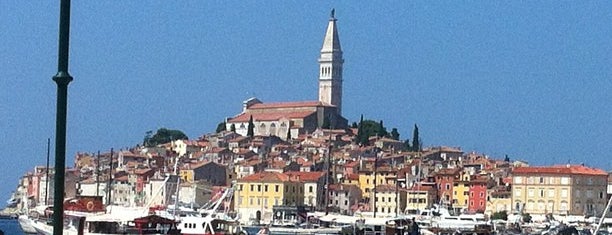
(528, 79)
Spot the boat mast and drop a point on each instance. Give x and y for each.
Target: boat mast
(327, 175)
(110, 178)
(47, 173)
(98, 174)
(603, 216)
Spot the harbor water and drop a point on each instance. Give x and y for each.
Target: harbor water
(10, 227)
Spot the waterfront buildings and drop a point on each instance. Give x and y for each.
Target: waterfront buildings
(561, 190)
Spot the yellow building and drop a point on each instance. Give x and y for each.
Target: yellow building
(420, 196)
(461, 193)
(499, 200)
(256, 195)
(384, 175)
(385, 201)
(573, 190)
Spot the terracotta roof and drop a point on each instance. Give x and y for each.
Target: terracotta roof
(559, 169)
(296, 104)
(266, 177)
(352, 176)
(305, 176)
(270, 116)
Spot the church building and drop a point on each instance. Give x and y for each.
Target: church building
(302, 116)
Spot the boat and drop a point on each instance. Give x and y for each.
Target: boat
(212, 218)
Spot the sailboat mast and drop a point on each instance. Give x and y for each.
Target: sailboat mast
(47, 172)
(110, 178)
(98, 174)
(603, 216)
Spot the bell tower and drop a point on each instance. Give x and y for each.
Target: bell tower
(330, 67)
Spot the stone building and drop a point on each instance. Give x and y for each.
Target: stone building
(303, 116)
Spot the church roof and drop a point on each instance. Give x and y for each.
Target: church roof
(295, 104)
(270, 116)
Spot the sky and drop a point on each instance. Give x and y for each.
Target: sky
(531, 80)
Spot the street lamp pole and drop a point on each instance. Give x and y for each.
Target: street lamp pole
(62, 79)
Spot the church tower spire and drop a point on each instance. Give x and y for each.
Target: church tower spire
(330, 66)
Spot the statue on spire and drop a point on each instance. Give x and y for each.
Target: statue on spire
(333, 13)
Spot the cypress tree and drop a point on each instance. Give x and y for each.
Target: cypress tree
(233, 127)
(382, 132)
(251, 127)
(360, 133)
(288, 134)
(416, 141)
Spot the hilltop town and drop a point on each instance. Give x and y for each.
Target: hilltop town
(325, 170)
(288, 158)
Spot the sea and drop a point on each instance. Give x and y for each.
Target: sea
(10, 227)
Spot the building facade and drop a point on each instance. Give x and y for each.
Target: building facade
(256, 195)
(573, 190)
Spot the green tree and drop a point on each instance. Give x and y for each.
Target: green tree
(416, 141)
(233, 127)
(407, 144)
(395, 134)
(382, 131)
(366, 129)
(221, 127)
(163, 136)
(354, 125)
(251, 127)
(360, 131)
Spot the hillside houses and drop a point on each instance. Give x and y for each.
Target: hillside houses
(268, 172)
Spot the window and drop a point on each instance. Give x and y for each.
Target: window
(530, 192)
(346, 202)
(518, 180)
(276, 188)
(252, 188)
(551, 193)
(541, 180)
(564, 180)
(447, 186)
(310, 189)
(481, 195)
(563, 192)
(563, 206)
(266, 188)
(259, 188)
(517, 192)
(541, 192)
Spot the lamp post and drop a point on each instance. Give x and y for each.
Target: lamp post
(62, 79)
